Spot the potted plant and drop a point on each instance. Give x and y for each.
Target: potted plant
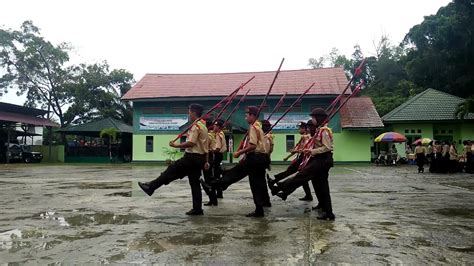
(171, 154)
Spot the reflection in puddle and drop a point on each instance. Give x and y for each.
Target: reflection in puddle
(7, 238)
(464, 213)
(120, 194)
(102, 218)
(50, 215)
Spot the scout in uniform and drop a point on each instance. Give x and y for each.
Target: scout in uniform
(194, 160)
(420, 157)
(317, 169)
(208, 170)
(219, 149)
(252, 165)
(293, 168)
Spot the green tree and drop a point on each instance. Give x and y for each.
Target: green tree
(111, 133)
(465, 108)
(441, 50)
(72, 93)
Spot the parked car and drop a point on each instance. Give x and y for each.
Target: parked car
(29, 156)
(14, 152)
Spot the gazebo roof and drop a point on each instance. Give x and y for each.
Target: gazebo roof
(95, 127)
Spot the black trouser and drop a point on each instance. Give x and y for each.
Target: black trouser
(469, 162)
(293, 168)
(209, 177)
(420, 161)
(217, 172)
(190, 165)
(316, 166)
(252, 166)
(433, 163)
(321, 187)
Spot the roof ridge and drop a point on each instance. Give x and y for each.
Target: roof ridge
(403, 105)
(245, 72)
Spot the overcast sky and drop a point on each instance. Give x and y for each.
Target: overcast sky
(213, 36)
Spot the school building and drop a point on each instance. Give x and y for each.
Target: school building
(430, 114)
(160, 106)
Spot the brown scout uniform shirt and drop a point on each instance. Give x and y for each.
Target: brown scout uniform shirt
(199, 136)
(256, 137)
(323, 141)
(220, 143)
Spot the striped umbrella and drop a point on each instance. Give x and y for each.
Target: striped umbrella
(390, 137)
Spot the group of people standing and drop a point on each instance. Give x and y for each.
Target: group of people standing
(445, 158)
(204, 148)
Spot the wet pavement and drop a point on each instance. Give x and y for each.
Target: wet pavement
(97, 214)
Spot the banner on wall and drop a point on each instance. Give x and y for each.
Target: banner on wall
(289, 122)
(171, 123)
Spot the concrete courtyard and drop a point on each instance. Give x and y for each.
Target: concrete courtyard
(97, 214)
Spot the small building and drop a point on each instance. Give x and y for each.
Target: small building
(430, 114)
(89, 147)
(160, 107)
(29, 120)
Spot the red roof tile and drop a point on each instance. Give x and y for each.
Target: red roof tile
(360, 112)
(328, 81)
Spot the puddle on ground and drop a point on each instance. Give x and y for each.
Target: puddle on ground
(82, 235)
(363, 243)
(464, 213)
(97, 185)
(463, 249)
(191, 238)
(120, 194)
(150, 241)
(103, 218)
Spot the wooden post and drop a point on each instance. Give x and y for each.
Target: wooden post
(8, 143)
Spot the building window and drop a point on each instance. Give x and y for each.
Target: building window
(182, 140)
(443, 131)
(149, 143)
(179, 110)
(153, 110)
(290, 142)
(436, 131)
(419, 130)
(296, 109)
(413, 131)
(450, 132)
(407, 131)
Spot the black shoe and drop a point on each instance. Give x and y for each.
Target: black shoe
(306, 198)
(146, 188)
(195, 212)
(210, 204)
(281, 195)
(205, 185)
(327, 217)
(255, 214)
(273, 189)
(267, 205)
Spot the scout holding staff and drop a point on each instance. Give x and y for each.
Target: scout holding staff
(253, 164)
(293, 167)
(217, 147)
(194, 160)
(316, 169)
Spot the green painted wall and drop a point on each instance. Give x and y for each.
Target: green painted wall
(57, 153)
(457, 131)
(352, 146)
(358, 144)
